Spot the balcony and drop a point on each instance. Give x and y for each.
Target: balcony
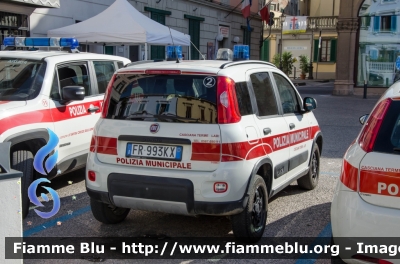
(37, 3)
(321, 23)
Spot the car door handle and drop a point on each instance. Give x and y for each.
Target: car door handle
(93, 109)
(267, 131)
(291, 126)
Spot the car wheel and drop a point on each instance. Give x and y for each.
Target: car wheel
(310, 180)
(22, 160)
(107, 213)
(249, 225)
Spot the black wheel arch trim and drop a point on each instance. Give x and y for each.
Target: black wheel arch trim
(316, 137)
(256, 167)
(39, 133)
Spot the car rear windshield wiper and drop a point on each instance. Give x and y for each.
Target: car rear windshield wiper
(139, 115)
(396, 149)
(177, 118)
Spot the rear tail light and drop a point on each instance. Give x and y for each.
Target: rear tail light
(91, 176)
(107, 97)
(220, 187)
(371, 128)
(228, 110)
(93, 143)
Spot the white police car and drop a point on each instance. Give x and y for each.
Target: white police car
(201, 137)
(56, 90)
(366, 202)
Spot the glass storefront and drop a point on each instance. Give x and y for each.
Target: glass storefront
(14, 25)
(379, 43)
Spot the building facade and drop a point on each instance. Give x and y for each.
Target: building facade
(372, 30)
(15, 14)
(212, 24)
(322, 17)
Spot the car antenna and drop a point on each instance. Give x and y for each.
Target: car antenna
(177, 59)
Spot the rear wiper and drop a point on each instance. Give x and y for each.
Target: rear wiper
(139, 115)
(396, 149)
(175, 117)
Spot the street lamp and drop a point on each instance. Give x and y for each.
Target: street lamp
(283, 17)
(312, 26)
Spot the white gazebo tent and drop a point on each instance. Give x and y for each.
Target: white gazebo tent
(121, 24)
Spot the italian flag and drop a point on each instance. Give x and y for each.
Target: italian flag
(246, 4)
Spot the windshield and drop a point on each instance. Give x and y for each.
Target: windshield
(20, 79)
(164, 98)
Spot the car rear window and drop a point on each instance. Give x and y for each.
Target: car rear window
(164, 98)
(388, 138)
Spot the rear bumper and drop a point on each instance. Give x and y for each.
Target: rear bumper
(160, 194)
(351, 216)
(356, 220)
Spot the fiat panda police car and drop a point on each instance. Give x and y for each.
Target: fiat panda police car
(366, 200)
(50, 90)
(211, 137)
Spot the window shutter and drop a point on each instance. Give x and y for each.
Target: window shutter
(158, 52)
(394, 24)
(316, 42)
(333, 50)
(376, 23)
(265, 51)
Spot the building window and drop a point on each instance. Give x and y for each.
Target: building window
(247, 36)
(194, 32)
(385, 24)
(158, 15)
(188, 111)
(327, 53)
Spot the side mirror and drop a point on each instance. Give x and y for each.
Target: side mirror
(73, 93)
(363, 119)
(309, 104)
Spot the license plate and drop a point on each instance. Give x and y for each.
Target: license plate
(154, 151)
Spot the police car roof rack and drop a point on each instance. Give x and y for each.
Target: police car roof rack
(234, 63)
(141, 62)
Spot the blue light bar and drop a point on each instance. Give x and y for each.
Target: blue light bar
(241, 52)
(174, 52)
(41, 42)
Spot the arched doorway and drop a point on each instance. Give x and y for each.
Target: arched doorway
(357, 39)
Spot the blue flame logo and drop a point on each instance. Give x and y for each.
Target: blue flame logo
(43, 152)
(49, 164)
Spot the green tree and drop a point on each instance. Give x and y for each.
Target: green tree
(287, 62)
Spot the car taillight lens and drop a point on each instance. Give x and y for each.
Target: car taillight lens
(93, 143)
(371, 128)
(91, 176)
(107, 97)
(228, 111)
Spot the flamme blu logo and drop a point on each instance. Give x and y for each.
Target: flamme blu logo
(49, 164)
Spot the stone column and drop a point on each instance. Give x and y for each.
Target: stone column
(347, 29)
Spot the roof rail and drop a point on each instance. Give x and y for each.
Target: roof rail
(234, 63)
(141, 62)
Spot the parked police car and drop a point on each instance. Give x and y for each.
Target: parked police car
(56, 90)
(201, 137)
(366, 200)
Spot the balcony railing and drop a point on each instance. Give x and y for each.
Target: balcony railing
(382, 67)
(321, 23)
